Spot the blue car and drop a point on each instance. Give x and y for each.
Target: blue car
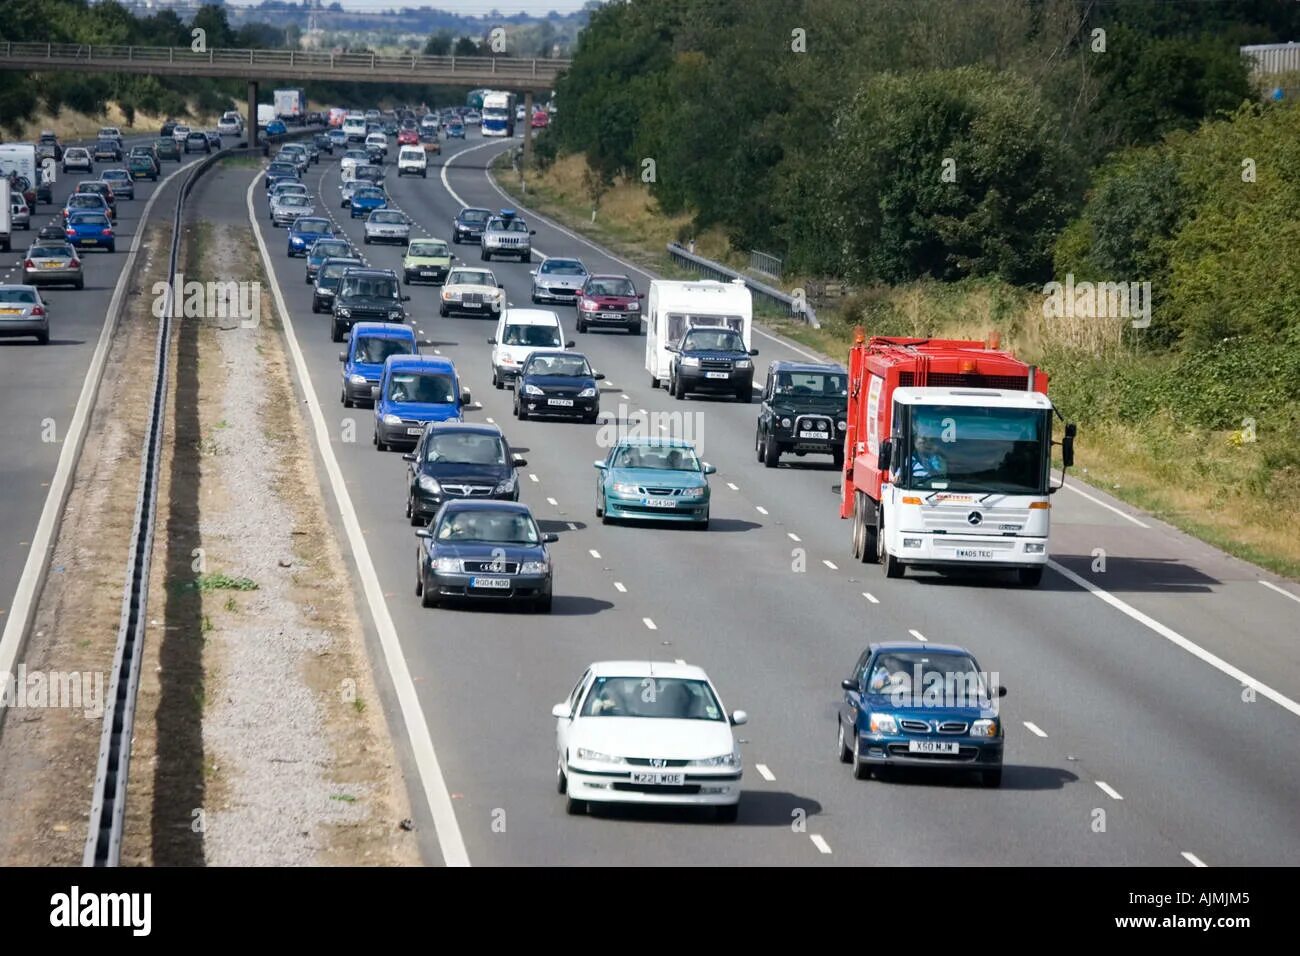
(485, 549)
(925, 706)
(654, 479)
(329, 247)
(368, 349)
(562, 384)
(337, 138)
(276, 128)
(365, 200)
(456, 130)
(90, 229)
(278, 171)
(412, 390)
(307, 230)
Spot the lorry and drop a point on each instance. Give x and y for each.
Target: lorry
(947, 457)
(499, 114)
(672, 307)
(265, 113)
(291, 106)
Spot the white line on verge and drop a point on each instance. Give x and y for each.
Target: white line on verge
(1282, 591)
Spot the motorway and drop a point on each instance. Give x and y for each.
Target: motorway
(1152, 698)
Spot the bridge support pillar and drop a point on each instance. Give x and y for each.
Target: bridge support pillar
(252, 114)
(528, 130)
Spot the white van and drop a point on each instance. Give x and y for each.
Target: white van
(411, 159)
(354, 127)
(673, 307)
(520, 332)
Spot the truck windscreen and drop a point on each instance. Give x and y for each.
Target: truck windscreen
(968, 449)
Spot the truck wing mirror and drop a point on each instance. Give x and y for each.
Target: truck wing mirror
(1067, 445)
(886, 454)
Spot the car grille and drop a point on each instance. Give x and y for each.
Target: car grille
(371, 315)
(661, 492)
(562, 292)
(508, 242)
(612, 307)
(468, 491)
(963, 755)
(645, 762)
(953, 517)
(914, 726)
(715, 365)
(472, 297)
(813, 423)
(485, 567)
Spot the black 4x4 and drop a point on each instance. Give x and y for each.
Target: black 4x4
(804, 409)
(712, 359)
(367, 295)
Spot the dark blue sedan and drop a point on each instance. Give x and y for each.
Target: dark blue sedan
(365, 200)
(492, 550)
(921, 706)
(556, 383)
(305, 231)
(280, 170)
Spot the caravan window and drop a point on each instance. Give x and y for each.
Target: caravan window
(678, 323)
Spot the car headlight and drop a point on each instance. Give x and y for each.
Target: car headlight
(533, 390)
(883, 724)
(451, 295)
(744, 363)
(690, 361)
(430, 484)
(588, 392)
(357, 379)
(724, 760)
(533, 567)
(692, 492)
(345, 312)
(589, 305)
(597, 757)
(785, 423)
(841, 426)
(623, 488)
(505, 487)
(447, 565)
(392, 420)
(507, 360)
(634, 306)
(984, 728)
(395, 313)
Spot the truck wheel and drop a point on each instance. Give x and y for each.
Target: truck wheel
(1030, 577)
(893, 567)
(869, 535)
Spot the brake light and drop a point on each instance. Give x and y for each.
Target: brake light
(107, 232)
(29, 264)
(39, 310)
(74, 264)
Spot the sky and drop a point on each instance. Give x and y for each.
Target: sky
(465, 7)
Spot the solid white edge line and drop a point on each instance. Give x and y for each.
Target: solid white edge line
(23, 605)
(764, 772)
(450, 839)
(1108, 790)
(820, 843)
(1034, 729)
(1108, 507)
(1282, 591)
(1193, 859)
(1178, 640)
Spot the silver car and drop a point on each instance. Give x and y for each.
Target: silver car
(78, 157)
(558, 280)
(120, 181)
(285, 209)
(507, 236)
(19, 215)
(294, 153)
(53, 263)
(285, 189)
(346, 190)
(388, 225)
(23, 312)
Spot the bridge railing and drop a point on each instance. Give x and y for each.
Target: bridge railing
(505, 67)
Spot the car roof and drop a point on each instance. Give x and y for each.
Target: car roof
(562, 259)
(486, 504)
(477, 428)
(647, 669)
(383, 330)
(436, 363)
(787, 366)
(894, 647)
(531, 317)
(556, 353)
(651, 441)
(368, 272)
(609, 275)
(474, 209)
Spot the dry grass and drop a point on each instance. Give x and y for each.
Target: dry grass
(71, 124)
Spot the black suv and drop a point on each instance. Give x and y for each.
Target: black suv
(469, 224)
(459, 460)
(712, 359)
(804, 409)
(367, 295)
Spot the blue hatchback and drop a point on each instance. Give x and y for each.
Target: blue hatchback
(90, 229)
(412, 390)
(924, 706)
(305, 231)
(368, 349)
(365, 200)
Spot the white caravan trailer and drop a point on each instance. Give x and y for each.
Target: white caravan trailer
(674, 307)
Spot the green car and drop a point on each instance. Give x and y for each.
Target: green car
(167, 149)
(142, 167)
(426, 260)
(653, 479)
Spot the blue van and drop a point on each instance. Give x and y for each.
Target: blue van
(368, 348)
(413, 390)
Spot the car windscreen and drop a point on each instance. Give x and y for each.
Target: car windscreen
(48, 252)
(428, 250)
(335, 270)
(469, 277)
(673, 698)
(570, 366)
(812, 384)
(534, 336)
(488, 527)
(281, 169)
(474, 217)
(658, 457)
(18, 296)
(952, 676)
(368, 193)
(329, 247)
(386, 217)
(430, 388)
(721, 340)
(611, 287)
(563, 269)
(374, 349)
(378, 287)
(293, 199)
(465, 448)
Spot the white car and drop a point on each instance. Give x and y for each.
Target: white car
(377, 141)
(286, 209)
(472, 292)
(411, 159)
(647, 732)
(520, 333)
(230, 125)
(79, 158)
(180, 134)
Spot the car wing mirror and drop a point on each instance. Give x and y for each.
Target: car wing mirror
(560, 711)
(599, 376)
(409, 456)
(519, 462)
(423, 533)
(710, 469)
(568, 344)
(343, 356)
(885, 455)
(739, 717)
(406, 298)
(550, 537)
(492, 341)
(849, 684)
(1002, 691)
(753, 351)
(374, 391)
(598, 465)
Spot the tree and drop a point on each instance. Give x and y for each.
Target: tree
(439, 44)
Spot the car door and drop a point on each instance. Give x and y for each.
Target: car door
(852, 702)
(765, 413)
(413, 468)
(563, 724)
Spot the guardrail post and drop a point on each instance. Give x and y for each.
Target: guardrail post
(171, 54)
(372, 62)
(130, 53)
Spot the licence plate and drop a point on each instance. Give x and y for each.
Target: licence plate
(10, 311)
(715, 375)
(974, 553)
(932, 747)
(814, 435)
(89, 242)
(489, 582)
(472, 305)
(660, 503)
(610, 315)
(659, 779)
(426, 272)
(415, 431)
(50, 265)
(561, 402)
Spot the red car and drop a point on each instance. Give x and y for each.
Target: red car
(541, 119)
(609, 300)
(408, 137)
